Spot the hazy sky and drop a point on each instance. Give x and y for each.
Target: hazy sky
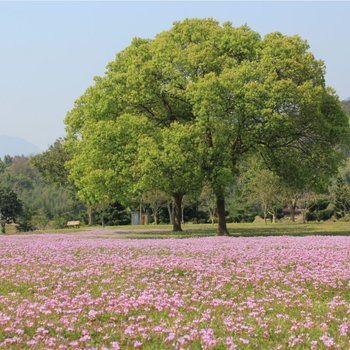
(50, 51)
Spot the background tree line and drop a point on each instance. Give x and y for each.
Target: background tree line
(49, 202)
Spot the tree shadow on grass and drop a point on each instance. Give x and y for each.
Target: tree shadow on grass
(248, 231)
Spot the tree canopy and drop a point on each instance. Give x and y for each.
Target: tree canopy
(51, 163)
(10, 206)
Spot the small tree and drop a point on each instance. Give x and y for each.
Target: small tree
(292, 197)
(208, 203)
(307, 200)
(156, 200)
(51, 164)
(10, 207)
(341, 197)
(262, 186)
(40, 220)
(266, 187)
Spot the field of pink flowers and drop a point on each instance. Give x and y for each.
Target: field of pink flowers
(63, 292)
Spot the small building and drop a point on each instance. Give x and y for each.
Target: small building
(136, 220)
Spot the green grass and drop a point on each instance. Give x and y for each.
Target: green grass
(244, 230)
(205, 230)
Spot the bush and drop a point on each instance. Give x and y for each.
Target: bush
(59, 222)
(114, 214)
(345, 218)
(325, 214)
(310, 216)
(40, 221)
(24, 222)
(321, 215)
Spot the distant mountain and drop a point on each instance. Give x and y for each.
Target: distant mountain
(346, 105)
(16, 146)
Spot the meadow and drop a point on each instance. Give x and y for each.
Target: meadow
(88, 290)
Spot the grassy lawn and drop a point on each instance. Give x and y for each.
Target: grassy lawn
(205, 230)
(244, 229)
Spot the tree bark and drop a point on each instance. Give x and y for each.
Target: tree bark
(3, 224)
(140, 213)
(274, 217)
(91, 216)
(177, 212)
(222, 228)
(303, 212)
(292, 214)
(292, 210)
(171, 213)
(265, 214)
(103, 218)
(155, 219)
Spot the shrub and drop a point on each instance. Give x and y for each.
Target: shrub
(24, 223)
(59, 222)
(40, 221)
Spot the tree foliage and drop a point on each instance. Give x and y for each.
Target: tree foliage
(346, 106)
(36, 194)
(10, 207)
(51, 163)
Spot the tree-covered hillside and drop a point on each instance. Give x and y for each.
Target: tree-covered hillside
(42, 201)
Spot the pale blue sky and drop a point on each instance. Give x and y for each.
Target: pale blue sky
(50, 51)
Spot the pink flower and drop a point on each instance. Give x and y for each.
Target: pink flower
(244, 341)
(230, 344)
(115, 345)
(327, 340)
(343, 329)
(137, 344)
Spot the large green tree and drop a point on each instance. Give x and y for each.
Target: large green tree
(151, 78)
(243, 95)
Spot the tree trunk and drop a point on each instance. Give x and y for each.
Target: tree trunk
(222, 228)
(303, 211)
(292, 214)
(171, 213)
(155, 219)
(274, 216)
(212, 217)
(140, 222)
(293, 206)
(91, 216)
(182, 215)
(177, 212)
(103, 218)
(2, 223)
